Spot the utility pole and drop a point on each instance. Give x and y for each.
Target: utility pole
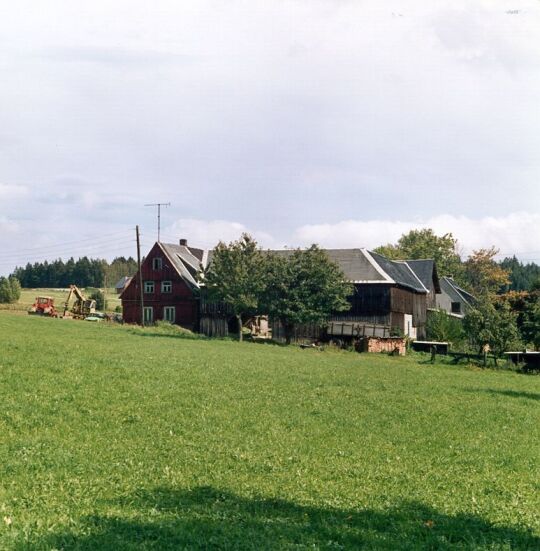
(140, 274)
(158, 205)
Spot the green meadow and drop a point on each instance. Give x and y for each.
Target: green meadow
(114, 437)
(28, 297)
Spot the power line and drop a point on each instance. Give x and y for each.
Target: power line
(95, 239)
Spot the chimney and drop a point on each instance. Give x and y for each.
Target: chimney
(183, 242)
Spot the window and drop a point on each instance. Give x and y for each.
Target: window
(166, 286)
(169, 313)
(157, 263)
(456, 307)
(148, 286)
(148, 313)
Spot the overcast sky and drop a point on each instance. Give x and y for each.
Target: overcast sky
(344, 123)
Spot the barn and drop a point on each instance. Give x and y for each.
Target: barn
(390, 293)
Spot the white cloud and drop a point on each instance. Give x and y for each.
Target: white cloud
(207, 233)
(514, 233)
(10, 191)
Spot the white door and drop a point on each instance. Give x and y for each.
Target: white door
(410, 330)
(148, 314)
(169, 314)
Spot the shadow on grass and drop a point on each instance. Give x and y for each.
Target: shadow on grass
(510, 393)
(207, 518)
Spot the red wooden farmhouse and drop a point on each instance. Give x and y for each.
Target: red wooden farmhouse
(170, 287)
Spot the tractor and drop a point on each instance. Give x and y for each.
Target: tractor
(44, 306)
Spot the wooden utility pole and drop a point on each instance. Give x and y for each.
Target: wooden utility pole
(140, 274)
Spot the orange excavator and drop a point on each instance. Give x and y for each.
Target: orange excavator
(82, 306)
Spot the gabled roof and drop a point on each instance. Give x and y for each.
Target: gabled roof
(426, 271)
(123, 282)
(186, 261)
(358, 265)
(456, 293)
(400, 272)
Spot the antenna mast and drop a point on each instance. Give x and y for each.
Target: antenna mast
(158, 205)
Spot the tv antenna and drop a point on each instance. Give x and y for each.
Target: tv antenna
(158, 205)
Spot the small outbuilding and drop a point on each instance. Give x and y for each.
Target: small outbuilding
(122, 284)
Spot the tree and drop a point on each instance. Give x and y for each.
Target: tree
(419, 244)
(304, 287)
(483, 275)
(530, 328)
(10, 290)
(236, 277)
(493, 326)
(531, 325)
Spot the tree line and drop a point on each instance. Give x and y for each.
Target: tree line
(84, 272)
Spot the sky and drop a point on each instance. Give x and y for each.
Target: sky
(339, 122)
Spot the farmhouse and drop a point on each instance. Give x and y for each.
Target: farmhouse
(169, 286)
(387, 292)
(453, 299)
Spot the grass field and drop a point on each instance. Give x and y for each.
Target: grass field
(28, 297)
(121, 438)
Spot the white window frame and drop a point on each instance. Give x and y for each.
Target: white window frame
(148, 314)
(169, 285)
(149, 287)
(157, 263)
(169, 313)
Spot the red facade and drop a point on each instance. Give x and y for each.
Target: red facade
(166, 295)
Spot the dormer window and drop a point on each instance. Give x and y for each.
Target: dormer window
(157, 263)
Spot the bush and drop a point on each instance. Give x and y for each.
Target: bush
(99, 297)
(442, 327)
(10, 290)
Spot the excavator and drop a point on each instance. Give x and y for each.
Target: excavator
(82, 306)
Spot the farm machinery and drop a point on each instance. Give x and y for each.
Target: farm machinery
(82, 307)
(43, 306)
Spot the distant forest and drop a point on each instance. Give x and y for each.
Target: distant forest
(90, 272)
(522, 276)
(84, 272)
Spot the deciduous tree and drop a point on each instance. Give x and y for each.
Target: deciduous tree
(236, 277)
(304, 287)
(424, 243)
(484, 276)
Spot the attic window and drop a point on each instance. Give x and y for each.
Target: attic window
(157, 263)
(456, 307)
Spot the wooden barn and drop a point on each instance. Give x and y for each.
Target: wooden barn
(170, 287)
(388, 293)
